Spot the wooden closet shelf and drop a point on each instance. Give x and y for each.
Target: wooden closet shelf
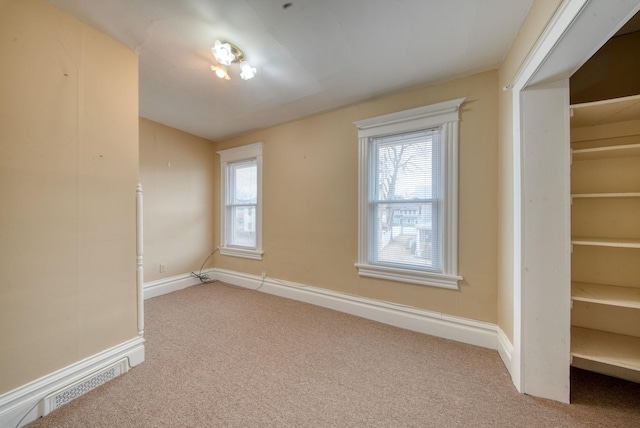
(606, 152)
(608, 348)
(613, 295)
(607, 195)
(607, 242)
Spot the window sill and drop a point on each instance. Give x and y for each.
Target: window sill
(411, 276)
(242, 252)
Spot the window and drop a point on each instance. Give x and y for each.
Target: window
(241, 214)
(408, 196)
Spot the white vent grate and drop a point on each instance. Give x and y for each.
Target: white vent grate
(70, 393)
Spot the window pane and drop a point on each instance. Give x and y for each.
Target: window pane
(243, 226)
(404, 166)
(243, 182)
(243, 196)
(405, 235)
(405, 191)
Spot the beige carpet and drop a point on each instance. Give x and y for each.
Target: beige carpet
(219, 356)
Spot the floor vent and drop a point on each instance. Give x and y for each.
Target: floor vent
(64, 396)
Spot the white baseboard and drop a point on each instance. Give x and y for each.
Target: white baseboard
(169, 285)
(464, 330)
(505, 348)
(27, 403)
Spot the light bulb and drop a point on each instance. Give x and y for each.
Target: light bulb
(223, 53)
(247, 72)
(220, 71)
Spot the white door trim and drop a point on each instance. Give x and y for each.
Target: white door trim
(576, 31)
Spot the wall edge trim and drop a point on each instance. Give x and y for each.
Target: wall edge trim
(24, 404)
(505, 348)
(478, 333)
(171, 284)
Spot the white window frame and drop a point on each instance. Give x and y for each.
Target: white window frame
(237, 154)
(445, 116)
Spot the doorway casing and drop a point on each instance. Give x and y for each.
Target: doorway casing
(541, 208)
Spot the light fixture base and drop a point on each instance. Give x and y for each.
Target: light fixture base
(237, 52)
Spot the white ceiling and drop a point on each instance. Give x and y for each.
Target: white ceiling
(313, 56)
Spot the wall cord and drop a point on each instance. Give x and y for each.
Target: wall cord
(203, 277)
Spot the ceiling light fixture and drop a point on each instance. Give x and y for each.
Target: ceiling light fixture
(227, 54)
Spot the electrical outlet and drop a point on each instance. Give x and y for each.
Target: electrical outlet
(163, 268)
(264, 274)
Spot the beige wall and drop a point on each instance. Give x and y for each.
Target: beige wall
(68, 174)
(310, 201)
(177, 176)
(536, 21)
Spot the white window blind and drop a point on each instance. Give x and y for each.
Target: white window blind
(241, 203)
(404, 200)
